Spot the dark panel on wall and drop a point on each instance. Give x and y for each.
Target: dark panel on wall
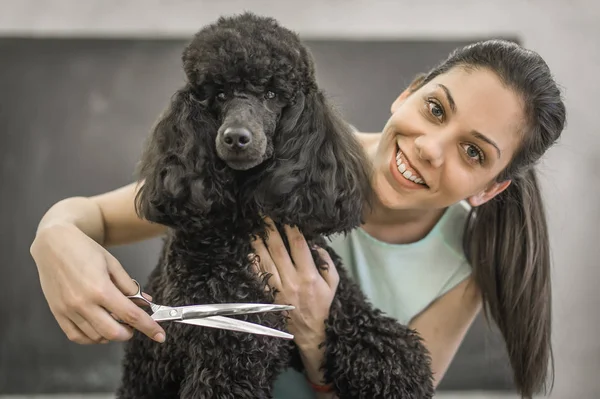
(73, 117)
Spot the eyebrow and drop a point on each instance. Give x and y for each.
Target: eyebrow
(449, 97)
(474, 133)
(482, 137)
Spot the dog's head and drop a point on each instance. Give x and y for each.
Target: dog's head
(248, 72)
(252, 115)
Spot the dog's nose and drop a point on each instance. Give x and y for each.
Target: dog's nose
(237, 137)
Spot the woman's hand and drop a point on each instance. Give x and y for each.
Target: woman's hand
(84, 284)
(299, 282)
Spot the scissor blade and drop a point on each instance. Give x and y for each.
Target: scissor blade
(229, 309)
(220, 309)
(227, 323)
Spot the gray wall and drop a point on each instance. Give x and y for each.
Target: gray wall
(102, 109)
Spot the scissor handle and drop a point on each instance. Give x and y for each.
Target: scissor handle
(138, 294)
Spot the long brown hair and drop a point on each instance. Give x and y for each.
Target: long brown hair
(506, 239)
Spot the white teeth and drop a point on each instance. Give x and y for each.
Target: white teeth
(407, 173)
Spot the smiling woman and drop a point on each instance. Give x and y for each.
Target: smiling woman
(470, 131)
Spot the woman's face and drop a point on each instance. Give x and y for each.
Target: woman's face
(448, 141)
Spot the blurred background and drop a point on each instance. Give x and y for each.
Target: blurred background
(81, 82)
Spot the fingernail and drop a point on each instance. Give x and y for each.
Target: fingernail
(160, 337)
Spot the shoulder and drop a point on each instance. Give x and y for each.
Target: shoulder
(448, 237)
(452, 226)
(460, 295)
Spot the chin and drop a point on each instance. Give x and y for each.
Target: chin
(387, 196)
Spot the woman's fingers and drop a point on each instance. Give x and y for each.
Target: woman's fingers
(330, 275)
(73, 332)
(125, 309)
(86, 328)
(107, 326)
(265, 263)
(254, 260)
(279, 254)
(120, 277)
(300, 252)
(128, 312)
(257, 269)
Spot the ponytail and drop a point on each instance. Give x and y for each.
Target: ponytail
(506, 242)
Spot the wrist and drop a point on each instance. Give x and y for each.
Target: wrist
(308, 346)
(312, 358)
(49, 226)
(309, 340)
(320, 388)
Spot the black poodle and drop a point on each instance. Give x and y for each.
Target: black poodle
(251, 135)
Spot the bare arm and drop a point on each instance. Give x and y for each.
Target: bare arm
(109, 219)
(444, 324)
(82, 282)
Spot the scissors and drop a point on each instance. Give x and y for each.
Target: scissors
(214, 315)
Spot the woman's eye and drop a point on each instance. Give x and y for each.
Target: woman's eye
(474, 153)
(269, 95)
(435, 109)
(221, 96)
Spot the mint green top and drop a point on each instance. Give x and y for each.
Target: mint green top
(400, 279)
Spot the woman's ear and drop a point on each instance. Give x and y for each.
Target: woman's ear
(414, 86)
(487, 194)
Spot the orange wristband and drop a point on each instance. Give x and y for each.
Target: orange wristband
(320, 388)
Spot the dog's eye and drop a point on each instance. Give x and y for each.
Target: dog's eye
(221, 96)
(270, 95)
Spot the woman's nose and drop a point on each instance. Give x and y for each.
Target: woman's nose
(430, 148)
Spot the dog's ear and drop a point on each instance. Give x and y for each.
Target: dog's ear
(175, 164)
(321, 178)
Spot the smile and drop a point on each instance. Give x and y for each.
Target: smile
(407, 170)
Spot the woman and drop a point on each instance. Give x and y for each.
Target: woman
(458, 224)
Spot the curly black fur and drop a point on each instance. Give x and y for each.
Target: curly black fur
(291, 158)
